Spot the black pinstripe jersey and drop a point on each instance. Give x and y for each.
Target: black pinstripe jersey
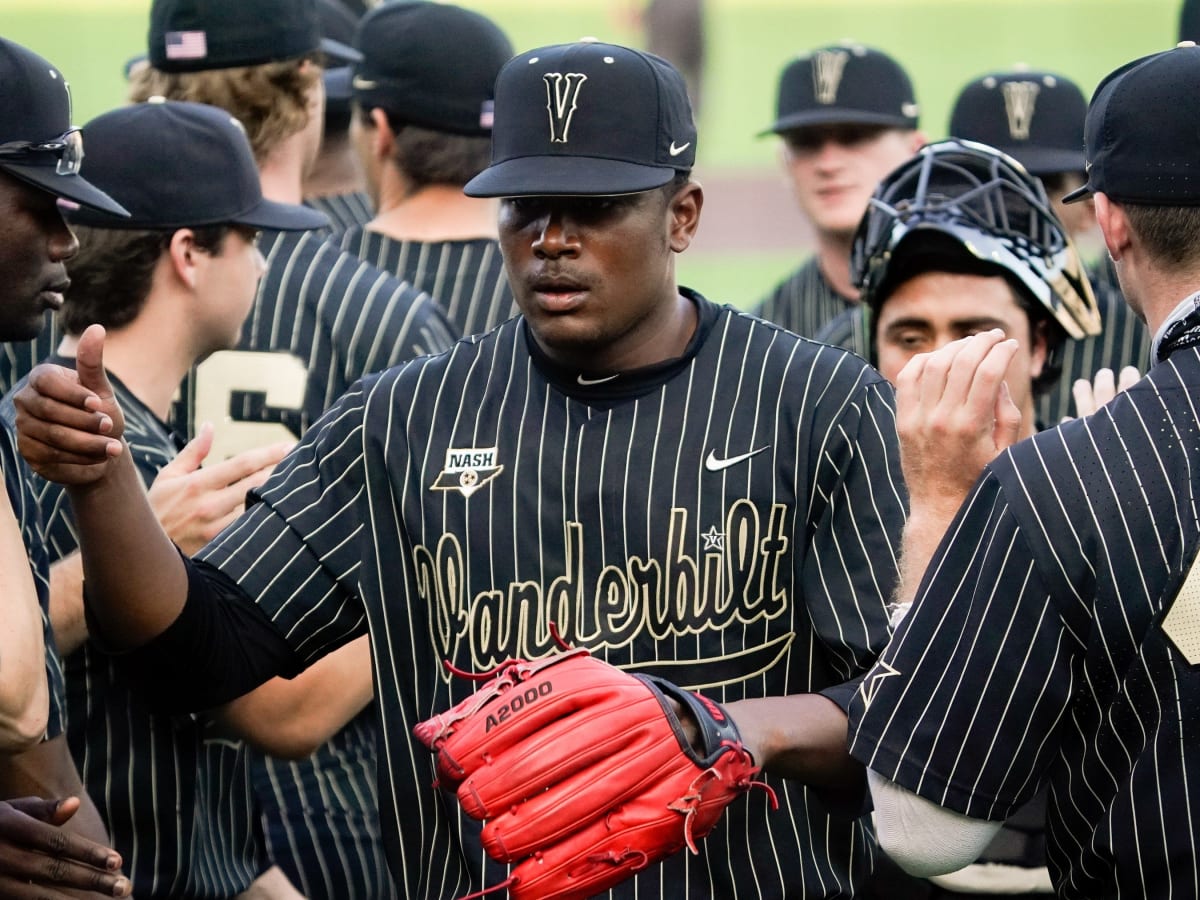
(17, 481)
(345, 211)
(1055, 639)
(177, 806)
(18, 358)
(466, 277)
(322, 319)
(728, 519)
(804, 302)
(1123, 341)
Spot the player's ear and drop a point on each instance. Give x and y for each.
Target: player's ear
(916, 140)
(184, 255)
(1039, 347)
(382, 137)
(684, 215)
(1114, 225)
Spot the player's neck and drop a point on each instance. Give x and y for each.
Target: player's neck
(336, 171)
(436, 212)
(833, 257)
(150, 360)
(282, 171)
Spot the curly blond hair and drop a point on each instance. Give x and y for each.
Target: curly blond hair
(270, 100)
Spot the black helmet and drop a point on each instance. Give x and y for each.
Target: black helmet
(975, 198)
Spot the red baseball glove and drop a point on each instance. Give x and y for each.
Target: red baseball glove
(583, 774)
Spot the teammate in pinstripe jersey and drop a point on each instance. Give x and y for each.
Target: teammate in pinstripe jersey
(422, 125)
(322, 319)
(1059, 612)
(56, 843)
(179, 806)
(682, 488)
(847, 115)
(957, 241)
(335, 184)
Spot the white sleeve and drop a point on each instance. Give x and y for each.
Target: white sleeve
(923, 838)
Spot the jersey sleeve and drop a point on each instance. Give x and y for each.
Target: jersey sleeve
(296, 549)
(857, 513)
(962, 707)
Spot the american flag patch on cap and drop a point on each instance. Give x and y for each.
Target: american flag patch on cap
(487, 114)
(186, 44)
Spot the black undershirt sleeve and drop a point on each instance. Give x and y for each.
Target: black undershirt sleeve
(221, 646)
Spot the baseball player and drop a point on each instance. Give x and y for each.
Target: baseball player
(847, 116)
(322, 317)
(335, 184)
(1057, 610)
(422, 124)
(59, 842)
(956, 241)
(180, 806)
(681, 488)
(1037, 118)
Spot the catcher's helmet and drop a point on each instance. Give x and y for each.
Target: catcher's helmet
(972, 195)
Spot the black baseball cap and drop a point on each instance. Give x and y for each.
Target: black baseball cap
(1035, 117)
(844, 83)
(38, 144)
(181, 165)
(407, 71)
(197, 35)
(1143, 130)
(338, 24)
(587, 119)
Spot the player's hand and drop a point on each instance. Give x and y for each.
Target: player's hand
(194, 504)
(69, 424)
(1089, 396)
(954, 415)
(38, 858)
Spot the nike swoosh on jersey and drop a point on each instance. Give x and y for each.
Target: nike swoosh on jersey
(715, 464)
(587, 382)
(675, 151)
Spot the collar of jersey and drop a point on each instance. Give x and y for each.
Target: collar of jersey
(633, 383)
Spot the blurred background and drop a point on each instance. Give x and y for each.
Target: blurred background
(751, 234)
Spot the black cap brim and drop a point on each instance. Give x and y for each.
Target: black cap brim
(566, 176)
(1080, 193)
(68, 187)
(834, 116)
(340, 53)
(282, 217)
(1046, 160)
(338, 83)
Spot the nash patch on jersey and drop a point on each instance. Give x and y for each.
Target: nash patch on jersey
(467, 469)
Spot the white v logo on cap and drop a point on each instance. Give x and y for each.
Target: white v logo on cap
(562, 97)
(675, 151)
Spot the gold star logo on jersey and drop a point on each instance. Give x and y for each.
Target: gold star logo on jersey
(869, 686)
(467, 469)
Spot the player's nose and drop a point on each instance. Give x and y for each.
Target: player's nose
(556, 235)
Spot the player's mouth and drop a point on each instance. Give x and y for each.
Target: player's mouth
(558, 293)
(52, 296)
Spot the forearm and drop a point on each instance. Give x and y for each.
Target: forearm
(923, 533)
(66, 604)
(136, 583)
(291, 718)
(24, 698)
(803, 737)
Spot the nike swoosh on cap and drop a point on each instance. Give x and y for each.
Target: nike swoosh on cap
(715, 464)
(364, 84)
(675, 151)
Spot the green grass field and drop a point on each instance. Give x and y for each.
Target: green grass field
(942, 43)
